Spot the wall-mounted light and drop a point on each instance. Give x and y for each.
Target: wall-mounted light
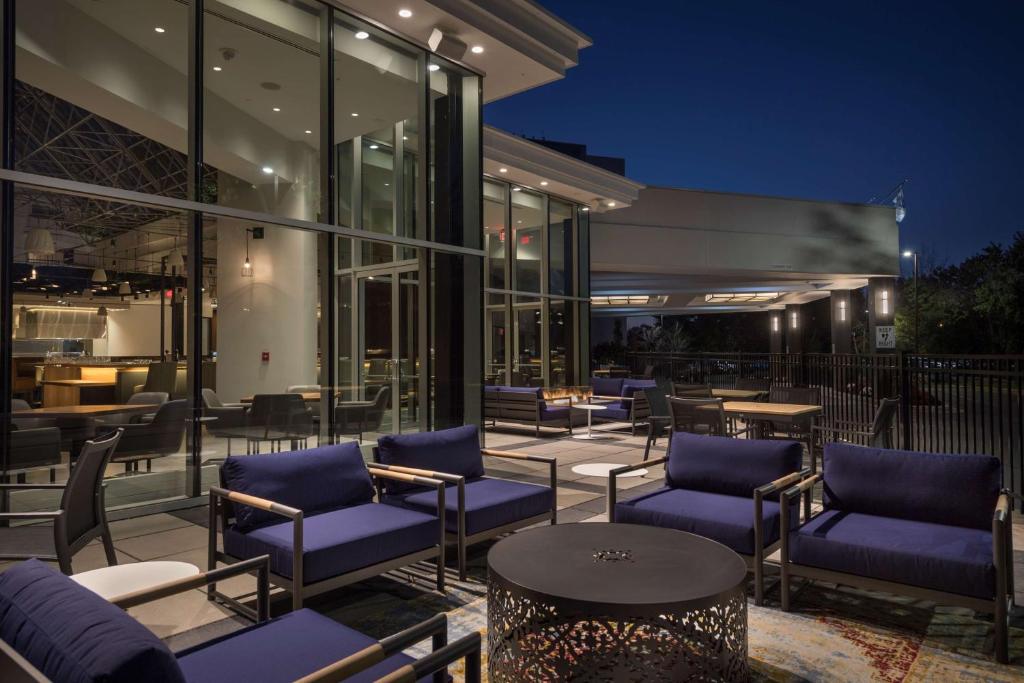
(794, 320)
(885, 301)
(775, 323)
(842, 310)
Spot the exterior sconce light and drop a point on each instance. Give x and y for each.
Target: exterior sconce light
(775, 323)
(885, 301)
(794, 320)
(842, 311)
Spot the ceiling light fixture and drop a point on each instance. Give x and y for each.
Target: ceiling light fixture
(405, 13)
(611, 203)
(740, 297)
(39, 242)
(355, 113)
(374, 146)
(434, 67)
(267, 169)
(517, 189)
(277, 108)
(159, 29)
(309, 132)
(124, 289)
(502, 170)
(543, 183)
(99, 275)
(477, 49)
(218, 68)
(362, 35)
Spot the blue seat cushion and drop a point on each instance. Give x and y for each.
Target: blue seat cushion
(313, 480)
(613, 412)
(734, 467)
(72, 635)
(280, 651)
(606, 386)
(552, 413)
(726, 519)
(490, 503)
(340, 541)
(945, 558)
(454, 451)
(912, 485)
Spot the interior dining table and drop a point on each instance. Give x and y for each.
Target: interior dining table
(76, 422)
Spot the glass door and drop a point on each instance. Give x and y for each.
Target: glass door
(528, 357)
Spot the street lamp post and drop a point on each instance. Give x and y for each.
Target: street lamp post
(917, 303)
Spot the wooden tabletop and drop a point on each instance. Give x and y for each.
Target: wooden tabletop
(87, 411)
(770, 409)
(80, 382)
(306, 396)
(739, 394)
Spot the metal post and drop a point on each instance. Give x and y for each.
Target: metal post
(917, 309)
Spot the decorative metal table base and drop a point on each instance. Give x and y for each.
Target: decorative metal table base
(535, 641)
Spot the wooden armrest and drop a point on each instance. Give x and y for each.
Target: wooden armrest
(782, 482)
(255, 502)
(613, 398)
(804, 485)
(261, 563)
(430, 474)
(516, 456)
(51, 514)
(403, 476)
(1002, 511)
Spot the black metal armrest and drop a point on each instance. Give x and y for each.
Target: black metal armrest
(552, 465)
(430, 474)
(467, 647)
(15, 487)
(612, 493)
(839, 430)
(261, 564)
(47, 514)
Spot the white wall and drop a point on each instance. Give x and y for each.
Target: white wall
(136, 331)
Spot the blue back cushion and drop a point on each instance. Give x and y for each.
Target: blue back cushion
(313, 480)
(631, 387)
(453, 451)
(73, 635)
(957, 490)
(606, 386)
(734, 467)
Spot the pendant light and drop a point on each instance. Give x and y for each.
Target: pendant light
(247, 264)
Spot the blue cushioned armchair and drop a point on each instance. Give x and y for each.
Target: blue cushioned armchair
(313, 513)
(715, 487)
(929, 525)
(53, 629)
(483, 507)
(624, 399)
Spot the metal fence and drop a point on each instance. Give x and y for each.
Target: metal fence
(948, 404)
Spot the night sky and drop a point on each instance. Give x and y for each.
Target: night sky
(821, 100)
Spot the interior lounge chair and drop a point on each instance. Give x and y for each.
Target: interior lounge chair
(150, 440)
(53, 629)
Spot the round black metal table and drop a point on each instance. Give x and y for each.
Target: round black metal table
(615, 602)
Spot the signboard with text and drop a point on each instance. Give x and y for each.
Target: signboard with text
(885, 337)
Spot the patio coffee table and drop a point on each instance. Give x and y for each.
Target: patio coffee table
(121, 579)
(609, 602)
(590, 408)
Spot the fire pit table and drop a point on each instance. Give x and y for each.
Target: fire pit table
(611, 602)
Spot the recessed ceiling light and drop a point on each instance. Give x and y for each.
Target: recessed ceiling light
(543, 183)
(267, 169)
(159, 29)
(277, 108)
(355, 113)
(502, 170)
(405, 137)
(362, 35)
(218, 68)
(611, 203)
(586, 208)
(477, 49)
(309, 132)
(374, 146)
(405, 13)
(516, 189)
(434, 67)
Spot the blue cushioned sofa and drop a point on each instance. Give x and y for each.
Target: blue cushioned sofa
(929, 525)
(482, 507)
(526, 405)
(720, 488)
(53, 629)
(624, 399)
(313, 513)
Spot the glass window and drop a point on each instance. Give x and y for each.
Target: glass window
(101, 93)
(560, 260)
(496, 346)
(561, 340)
(455, 155)
(495, 233)
(101, 318)
(583, 221)
(528, 221)
(261, 117)
(528, 356)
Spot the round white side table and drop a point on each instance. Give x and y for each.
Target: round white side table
(602, 469)
(590, 408)
(122, 579)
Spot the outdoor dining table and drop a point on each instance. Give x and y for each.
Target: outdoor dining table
(738, 394)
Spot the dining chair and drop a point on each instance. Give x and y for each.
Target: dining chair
(691, 390)
(79, 519)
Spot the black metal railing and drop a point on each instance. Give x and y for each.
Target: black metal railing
(948, 403)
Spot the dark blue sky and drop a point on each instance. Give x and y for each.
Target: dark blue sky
(823, 100)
